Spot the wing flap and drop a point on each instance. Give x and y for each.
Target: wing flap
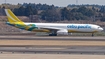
(51, 28)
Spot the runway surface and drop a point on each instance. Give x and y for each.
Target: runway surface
(55, 50)
(52, 45)
(49, 56)
(52, 38)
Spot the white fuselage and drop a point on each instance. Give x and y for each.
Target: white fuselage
(70, 27)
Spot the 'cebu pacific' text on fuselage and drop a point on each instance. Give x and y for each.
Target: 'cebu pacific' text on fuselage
(79, 26)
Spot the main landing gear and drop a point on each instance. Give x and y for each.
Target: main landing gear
(52, 34)
(92, 34)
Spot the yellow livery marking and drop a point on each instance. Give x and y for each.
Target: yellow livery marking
(74, 31)
(23, 25)
(14, 18)
(44, 30)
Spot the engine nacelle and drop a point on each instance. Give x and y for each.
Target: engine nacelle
(62, 32)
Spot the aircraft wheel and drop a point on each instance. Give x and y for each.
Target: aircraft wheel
(92, 34)
(52, 34)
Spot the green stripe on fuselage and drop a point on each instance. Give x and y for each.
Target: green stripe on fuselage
(32, 28)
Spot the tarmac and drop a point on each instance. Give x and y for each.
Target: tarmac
(49, 56)
(31, 47)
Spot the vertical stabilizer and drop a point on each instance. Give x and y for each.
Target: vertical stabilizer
(11, 17)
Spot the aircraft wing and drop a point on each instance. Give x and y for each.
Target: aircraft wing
(57, 30)
(52, 28)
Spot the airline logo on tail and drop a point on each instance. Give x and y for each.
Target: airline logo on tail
(14, 21)
(11, 17)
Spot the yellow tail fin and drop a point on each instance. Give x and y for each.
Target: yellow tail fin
(11, 17)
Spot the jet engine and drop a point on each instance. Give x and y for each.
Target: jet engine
(62, 32)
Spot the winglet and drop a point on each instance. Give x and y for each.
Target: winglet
(11, 17)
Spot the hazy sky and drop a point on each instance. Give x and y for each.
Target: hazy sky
(56, 2)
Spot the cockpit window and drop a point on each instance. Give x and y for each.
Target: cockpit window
(99, 27)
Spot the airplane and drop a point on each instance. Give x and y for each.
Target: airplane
(53, 29)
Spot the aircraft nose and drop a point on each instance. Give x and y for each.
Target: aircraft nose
(101, 29)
